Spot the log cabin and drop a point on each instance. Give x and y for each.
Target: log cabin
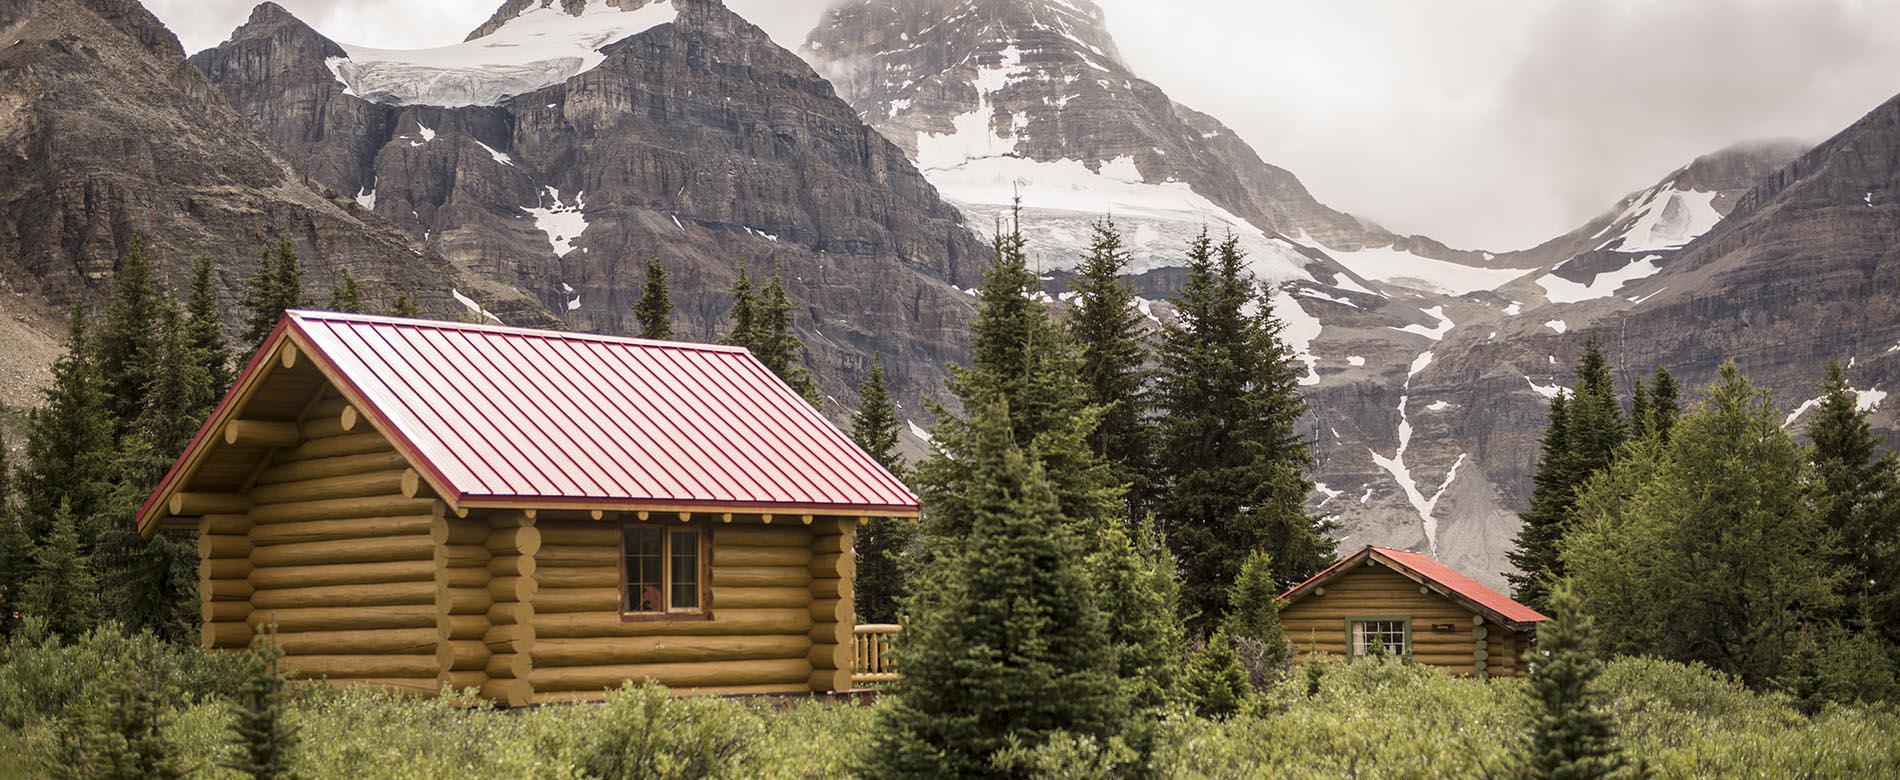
(1408, 604)
(535, 515)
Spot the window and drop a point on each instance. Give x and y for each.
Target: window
(1393, 634)
(662, 572)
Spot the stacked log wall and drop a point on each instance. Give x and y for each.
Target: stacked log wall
(754, 638)
(512, 545)
(340, 558)
(834, 620)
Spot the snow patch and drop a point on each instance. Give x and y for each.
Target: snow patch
(1405, 269)
(1323, 490)
(1355, 360)
(1418, 364)
(366, 198)
(541, 47)
(473, 307)
(1514, 309)
(1438, 406)
(562, 222)
(500, 157)
(1864, 401)
(1436, 333)
(1603, 285)
(1301, 329)
(919, 432)
(1557, 325)
(1548, 391)
(1663, 217)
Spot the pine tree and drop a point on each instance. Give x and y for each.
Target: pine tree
(1859, 499)
(69, 439)
(181, 392)
(264, 737)
(1214, 684)
(774, 343)
(742, 333)
(147, 585)
(276, 288)
(1664, 404)
(1580, 443)
(206, 327)
(120, 734)
(1571, 737)
(882, 541)
(1642, 416)
(1006, 643)
(1234, 462)
(346, 295)
(405, 305)
(1106, 328)
(126, 345)
(1253, 621)
(654, 310)
(1134, 577)
(61, 588)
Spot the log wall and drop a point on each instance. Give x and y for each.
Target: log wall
(1317, 622)
(335, 555)
(834, 618)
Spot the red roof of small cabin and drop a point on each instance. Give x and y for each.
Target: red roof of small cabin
(494, 413)
(1423, 567)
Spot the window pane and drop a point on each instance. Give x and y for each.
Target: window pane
(646, 555)
(685, 569)
(1388, 633)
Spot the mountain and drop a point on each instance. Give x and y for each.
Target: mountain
(564, 144)
(108, 134)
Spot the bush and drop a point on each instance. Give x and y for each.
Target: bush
(42, 677)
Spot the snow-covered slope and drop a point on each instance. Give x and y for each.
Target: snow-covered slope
(541, 47)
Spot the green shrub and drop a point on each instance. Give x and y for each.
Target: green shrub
(43, 677)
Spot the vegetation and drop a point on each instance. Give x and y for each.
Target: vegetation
(883, 542)
(276, 287)
(1106, 328)
(762, 322)
(654, 310)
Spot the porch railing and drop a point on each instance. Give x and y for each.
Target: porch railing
(871, 653)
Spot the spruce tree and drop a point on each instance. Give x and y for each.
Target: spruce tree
(882, 541)
(126, 345)
(120, 734)
(654, 310)
(14, 544)
(1859, 499)
(1230, 450)
(743, 304)
(69, 440)
(774, 343)
(61, 588)
(1253, 621)
(148, 585)
(1007, 644)
(1583, 439)
(1214, 684)
(265, 738)
(1641, 415)
(1571, 737)
(1134, 576)
(1106, 329)
(276, 288)
(1664, 404)
(346, 295)
(207, 328)
(181, 392)
(405, 305)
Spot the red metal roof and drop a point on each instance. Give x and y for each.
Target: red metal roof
(1499, 605)
(494, 414)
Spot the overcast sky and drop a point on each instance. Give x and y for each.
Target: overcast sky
(1488, 124)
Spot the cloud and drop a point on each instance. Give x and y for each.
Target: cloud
(1484, 123)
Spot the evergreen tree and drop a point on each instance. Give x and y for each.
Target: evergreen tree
(774, 343)
(882, 541)
(654, 310)
(1106, 329)
(14, 544)
(206, 328)
(69, 439)
(1641, 415)
(405, 305)
(1214, 684)
(61, 589)
(743, 303)
(120, 734)
(1664, 406)
(1571, 737)
(181, 392)
(1134, 576)
(264, 737)
(1007, 645)
(346, 295)
(1233, 459)
(126, 345)
(1253, 621)
(1586, 431)
(276, 288)
(1859, 499)
(148, 585)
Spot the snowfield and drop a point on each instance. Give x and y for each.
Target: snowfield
(1603, 285)
(1405, 269)
(540, 48)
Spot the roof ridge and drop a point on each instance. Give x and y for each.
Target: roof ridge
(302, 315)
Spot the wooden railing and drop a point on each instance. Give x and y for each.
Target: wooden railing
(871, 653)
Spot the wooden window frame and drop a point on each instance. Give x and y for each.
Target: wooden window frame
(1406, 620)
(703, 575)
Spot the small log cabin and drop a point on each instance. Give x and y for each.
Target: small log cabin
(535, 515)
(1409, 605)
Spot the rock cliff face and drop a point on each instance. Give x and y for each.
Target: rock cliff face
(695, 139)
(110, 134)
